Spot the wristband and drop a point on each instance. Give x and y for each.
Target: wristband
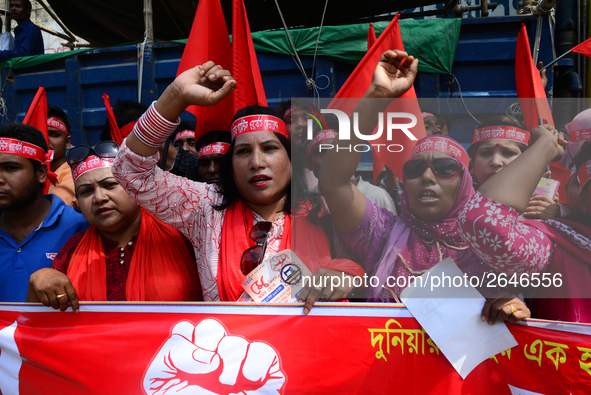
(153, 129)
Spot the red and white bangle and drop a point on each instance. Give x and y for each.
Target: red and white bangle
(152, 129)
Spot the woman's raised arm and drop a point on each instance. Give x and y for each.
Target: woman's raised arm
(393, 76)
(203, 85)
(517, 182)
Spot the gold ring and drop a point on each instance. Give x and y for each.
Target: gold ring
(513, 309)
(60, 296)
(319, 289)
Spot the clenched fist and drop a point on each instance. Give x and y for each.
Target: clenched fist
(205, 359)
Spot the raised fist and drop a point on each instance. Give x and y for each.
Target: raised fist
(204, 359)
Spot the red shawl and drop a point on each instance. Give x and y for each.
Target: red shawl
(306, 239)
(161, 269)
(572, 260)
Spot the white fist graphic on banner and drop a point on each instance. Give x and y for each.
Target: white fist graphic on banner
(205, 359)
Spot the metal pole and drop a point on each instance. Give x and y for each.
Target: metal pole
(556, 60)
(56, 18)
(148, 21)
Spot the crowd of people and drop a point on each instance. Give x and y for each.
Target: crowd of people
(160, 211)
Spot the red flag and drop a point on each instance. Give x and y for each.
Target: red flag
(209, 40)
(530, 90)
(371, 36)
(245, 67)
(358, 83)
(584, 48)
(115, 133)
(37, 113)
(37, 117)
(378, 165)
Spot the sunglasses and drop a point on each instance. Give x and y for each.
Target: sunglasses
(251, 258)
(441, 167)
(104, 149)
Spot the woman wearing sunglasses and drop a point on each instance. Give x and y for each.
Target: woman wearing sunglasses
(252, 215)
(437, 184)
(126, 254)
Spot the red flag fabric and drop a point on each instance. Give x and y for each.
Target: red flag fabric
(530, 90)
(378, 165)
(115, 133)
(245, 67)
(37, 113)
(209, 40)
(583, 48)
(358, 83)
(37, 117)
(371, 36)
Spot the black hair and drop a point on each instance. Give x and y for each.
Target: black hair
(27, 4)
(26, 133)
(297, 193)
(498, 120)
(215, 136)
(56, 112)
(125, 111)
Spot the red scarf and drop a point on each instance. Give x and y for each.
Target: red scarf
(572, 260)
(308, 240)
(161, 269)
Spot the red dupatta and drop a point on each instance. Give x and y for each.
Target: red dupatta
(161, 269)
(572, 260)
(307, 240)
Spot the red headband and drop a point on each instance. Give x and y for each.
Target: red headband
(427, 114)
(56, 123)
(320, 137)
(258, 123)
(213, 148)
(288, 112)
(584, 174)
(581, 135)
(184, 133)
(90, 163)
(501, 133)
(20, 148)
(441, 144)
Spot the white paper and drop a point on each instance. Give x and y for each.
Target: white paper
(451, 316)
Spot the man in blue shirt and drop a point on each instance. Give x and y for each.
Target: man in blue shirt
(27, 35)
(33, 226)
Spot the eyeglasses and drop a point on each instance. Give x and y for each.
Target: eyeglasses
(104, 149)
(252, 256)
(442, 167)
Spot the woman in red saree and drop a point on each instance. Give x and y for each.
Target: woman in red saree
(126, 254)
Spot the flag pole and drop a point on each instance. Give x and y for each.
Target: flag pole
(556, 60)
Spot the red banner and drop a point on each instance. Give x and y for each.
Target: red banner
(265, 349)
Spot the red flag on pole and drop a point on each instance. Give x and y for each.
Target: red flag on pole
(371, 36)
(583, 48)
(245, 67)
(530, 90)
(37, 117)
(377, 164)
(358, 83)
(115, 133)
(209, 40)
